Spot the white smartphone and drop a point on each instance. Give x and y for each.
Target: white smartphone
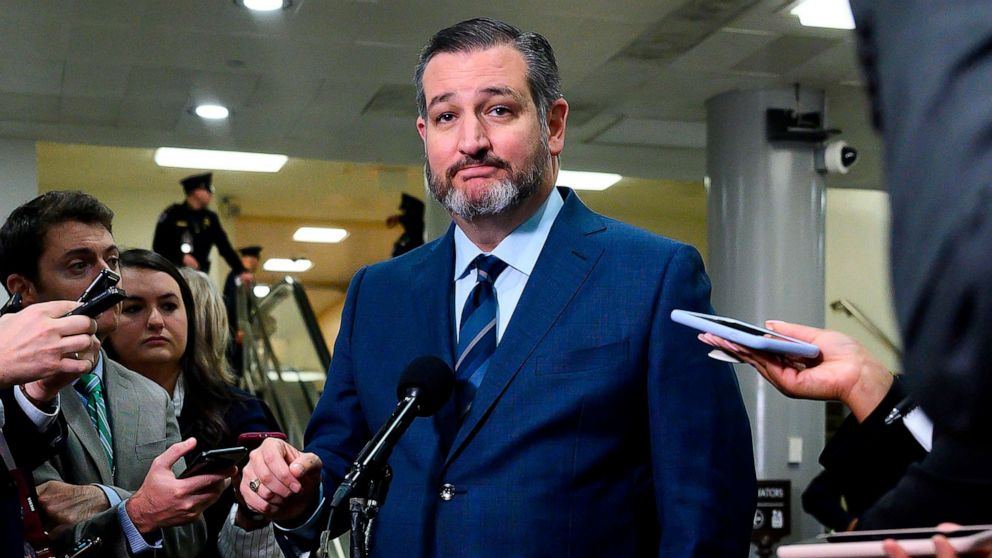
(748, 335)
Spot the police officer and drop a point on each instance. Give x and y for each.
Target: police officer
(187, 231)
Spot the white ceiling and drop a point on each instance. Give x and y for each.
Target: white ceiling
(330, 79)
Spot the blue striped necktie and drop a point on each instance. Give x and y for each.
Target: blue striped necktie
(90, 387)
(477, 332)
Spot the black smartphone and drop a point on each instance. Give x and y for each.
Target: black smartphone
(13, 305)
(214, 461)
(85, 547)
(103, 281)
(99, 303)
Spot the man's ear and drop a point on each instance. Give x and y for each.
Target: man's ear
(17, 283)
(557, 116)
(422, 128)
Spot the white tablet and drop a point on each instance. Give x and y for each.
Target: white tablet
(868, 544)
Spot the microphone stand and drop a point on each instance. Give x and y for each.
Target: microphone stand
(364, 512)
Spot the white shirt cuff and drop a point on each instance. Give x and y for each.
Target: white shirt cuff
(136, 543)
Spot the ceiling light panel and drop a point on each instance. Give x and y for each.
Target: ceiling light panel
(320, 234)
(581, 180)
(287, 265)
(219, 160)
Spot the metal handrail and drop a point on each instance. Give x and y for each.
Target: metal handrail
(849, 308)
(257, 363)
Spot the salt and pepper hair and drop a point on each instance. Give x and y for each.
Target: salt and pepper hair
(485, 33)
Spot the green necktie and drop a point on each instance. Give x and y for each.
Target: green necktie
(90, 387)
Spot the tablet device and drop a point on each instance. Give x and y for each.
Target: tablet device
(214, 461)
(748, 335)
(868, 544)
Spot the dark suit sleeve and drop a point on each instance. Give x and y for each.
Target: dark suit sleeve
(867, 459)
(29, 447)
(224, 246)
(702, 460)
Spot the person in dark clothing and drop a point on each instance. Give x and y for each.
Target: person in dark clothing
(411, 218)
(187, 231)
(250, 257)
(35, 346)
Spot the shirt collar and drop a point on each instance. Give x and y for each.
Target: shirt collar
(179, 395)
(521, 248)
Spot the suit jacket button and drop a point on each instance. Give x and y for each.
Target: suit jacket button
(447, 492)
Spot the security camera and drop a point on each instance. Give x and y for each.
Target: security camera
(836, 157)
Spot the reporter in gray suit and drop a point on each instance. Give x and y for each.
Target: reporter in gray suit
(116, 477)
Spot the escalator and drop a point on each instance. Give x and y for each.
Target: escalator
(284, 357)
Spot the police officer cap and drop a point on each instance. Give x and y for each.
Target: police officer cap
(197, 181)
(251, 251)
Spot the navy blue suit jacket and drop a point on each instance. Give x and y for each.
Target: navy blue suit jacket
(601, 428)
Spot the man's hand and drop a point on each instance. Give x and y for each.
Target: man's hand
(67, 504)
(190, 261)
(36, 344)
(165, 501)
(246, 277)
(287, 481)
(844, 371)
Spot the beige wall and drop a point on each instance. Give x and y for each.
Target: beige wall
(857, 265)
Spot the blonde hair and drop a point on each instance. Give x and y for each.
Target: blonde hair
(212, 333)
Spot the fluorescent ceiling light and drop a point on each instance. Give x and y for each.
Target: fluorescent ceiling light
(212, 112)
(286, 265)
(261, 290)
(218, 160)
(319, 234)
(581, 180)
(265, 5)
(834, 14)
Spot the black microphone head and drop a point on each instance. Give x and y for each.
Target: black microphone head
(433, 380)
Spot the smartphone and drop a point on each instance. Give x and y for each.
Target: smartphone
(99, 303)
(103, 281)
(252, 440)
(13, 305)
(85, 547)
(748, 335)
(214, 461)
(868, 544)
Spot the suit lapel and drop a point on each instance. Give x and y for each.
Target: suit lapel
(124, 412)
(82, 427)
(566, 260)
(432, 289)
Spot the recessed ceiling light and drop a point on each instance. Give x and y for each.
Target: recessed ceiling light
(319, 234)
(218, 160)
(287, 265)
(833, 14)
(266, 5)
(212, 112)
(581, 180)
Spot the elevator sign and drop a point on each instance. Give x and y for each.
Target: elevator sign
(771, 517)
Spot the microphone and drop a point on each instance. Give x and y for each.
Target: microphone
(424, 388)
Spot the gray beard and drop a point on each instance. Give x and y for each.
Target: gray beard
(499, 197)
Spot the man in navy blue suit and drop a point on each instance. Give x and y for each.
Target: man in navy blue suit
(584, 422)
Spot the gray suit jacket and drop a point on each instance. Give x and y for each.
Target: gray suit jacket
(143, 425)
